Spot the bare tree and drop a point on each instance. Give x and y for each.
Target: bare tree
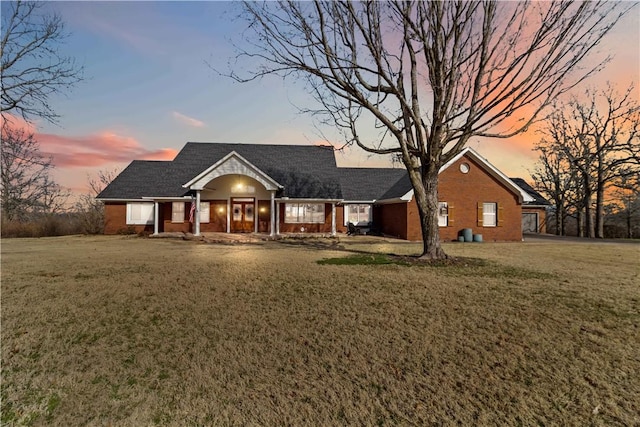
(427, 75)
(554, 177)
(32, 66)
(89, 210)
(26, 186)
(627, 200)
(600, 136)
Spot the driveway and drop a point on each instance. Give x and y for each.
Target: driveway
(571, 239)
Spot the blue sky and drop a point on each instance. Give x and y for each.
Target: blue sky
(149, 89)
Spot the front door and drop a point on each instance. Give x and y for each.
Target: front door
(242, 215)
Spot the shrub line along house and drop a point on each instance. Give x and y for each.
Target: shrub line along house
(276, 189)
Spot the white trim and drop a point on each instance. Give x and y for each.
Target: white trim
(404, 199)
(236, 163)
(292, 200)
(168, 199)
(333, 219)
(196, 215)
(155, 218)
(142, 199)
(272, 214)
(357, 202)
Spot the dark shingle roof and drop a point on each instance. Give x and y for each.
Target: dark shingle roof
(303, 171)
(539, 199)
(141, 178)
(362, 184)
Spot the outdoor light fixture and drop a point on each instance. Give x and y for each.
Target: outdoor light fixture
(263, 209)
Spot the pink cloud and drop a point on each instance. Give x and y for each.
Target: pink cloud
(17, 123)
(189, 121)
(97, 150)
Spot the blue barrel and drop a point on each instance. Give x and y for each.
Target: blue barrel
(460, 238)
(477, 237)
(467, 233)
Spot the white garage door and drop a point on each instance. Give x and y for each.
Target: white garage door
(529, 222)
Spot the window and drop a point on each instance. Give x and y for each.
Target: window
(443, 214)
(304, 212)
(177, 212)
(489, 214)
(356, 214)
(139, 213)
(204, 212)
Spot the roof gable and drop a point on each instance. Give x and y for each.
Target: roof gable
(232, 163)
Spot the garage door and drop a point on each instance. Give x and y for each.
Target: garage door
(529, 222)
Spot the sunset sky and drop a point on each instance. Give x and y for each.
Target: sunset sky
(150, 88)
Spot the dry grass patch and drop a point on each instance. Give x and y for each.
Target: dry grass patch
(134, 331)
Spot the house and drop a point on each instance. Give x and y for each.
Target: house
(534, 212)
(276, 189)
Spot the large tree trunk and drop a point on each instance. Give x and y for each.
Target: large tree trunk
(580, 221)
(600, 203)
(427, 202)
(586, 201)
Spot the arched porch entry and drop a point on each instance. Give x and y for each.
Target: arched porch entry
(238, 193)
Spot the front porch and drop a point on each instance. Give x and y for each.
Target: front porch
(231, 238)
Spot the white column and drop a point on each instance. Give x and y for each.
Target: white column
(272, 214)
(256, 215)
(196, 214)
(156, 216)
(278, 218)
(333, 219)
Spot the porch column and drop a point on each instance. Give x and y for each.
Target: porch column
(278, 218)
(256, 215)
(272, 215)
(333, 219)
(196, 214)
(156, 217)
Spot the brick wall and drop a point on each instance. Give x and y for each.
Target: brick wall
(391, 219)
(115, 215)
(217, 217)
(463, 192)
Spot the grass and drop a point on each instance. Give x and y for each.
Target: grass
(131, 331)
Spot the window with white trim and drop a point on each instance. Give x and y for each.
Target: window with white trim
(357, 214)
(139, 213)
(204, 212)
(304, 213)
(177, 212)
(443, 214)
(489, 214)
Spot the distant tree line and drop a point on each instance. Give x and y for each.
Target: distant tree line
(589, 164)
(32, 69)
